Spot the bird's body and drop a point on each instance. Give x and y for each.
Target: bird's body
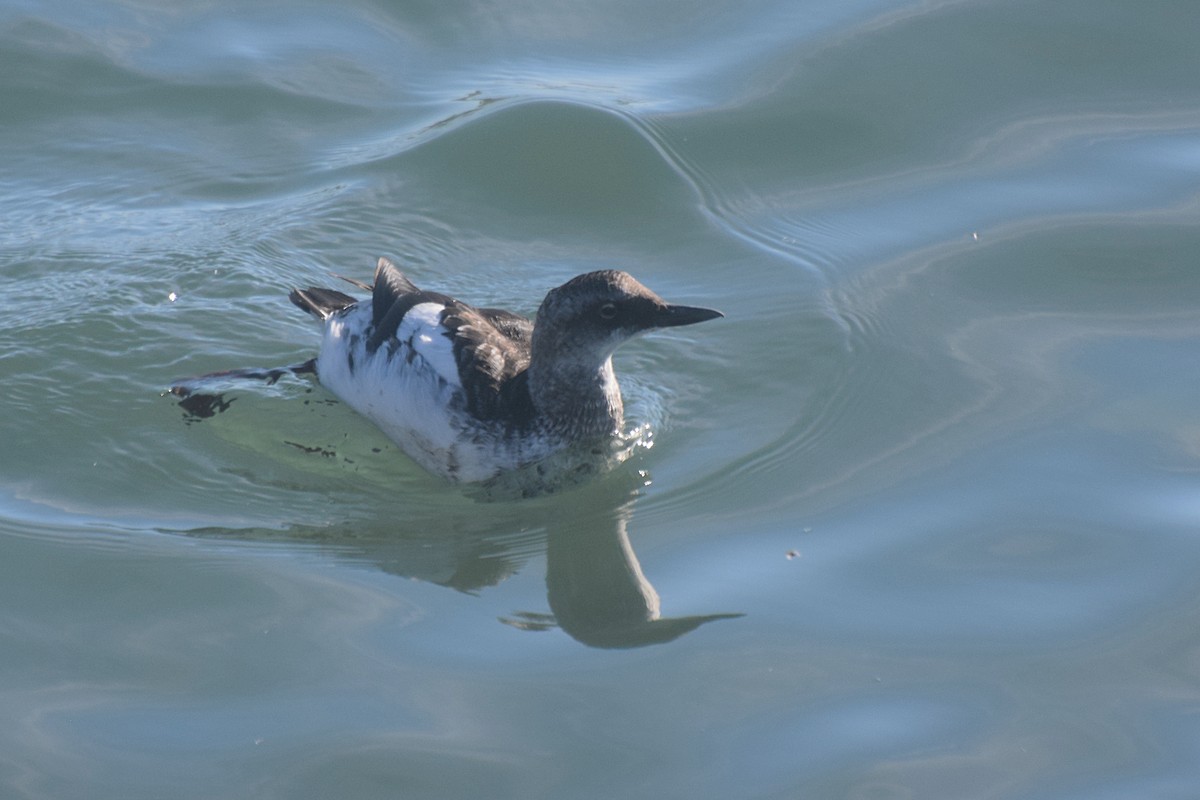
(408, 383)
(470, 392)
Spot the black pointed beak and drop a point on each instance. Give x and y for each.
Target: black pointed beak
(671, 316)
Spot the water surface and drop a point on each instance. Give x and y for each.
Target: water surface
(916, 519)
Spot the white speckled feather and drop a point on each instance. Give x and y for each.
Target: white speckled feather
(421, 329)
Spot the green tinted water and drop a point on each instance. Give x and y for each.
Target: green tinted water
(918, 518)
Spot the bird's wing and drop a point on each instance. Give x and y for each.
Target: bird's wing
(482, 350)
(517, 328)
(390, 289)
(491, 350)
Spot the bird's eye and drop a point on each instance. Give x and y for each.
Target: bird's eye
(608, 311)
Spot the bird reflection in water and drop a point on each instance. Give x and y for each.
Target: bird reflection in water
(597, 591)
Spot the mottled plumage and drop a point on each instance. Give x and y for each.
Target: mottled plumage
(470, 392)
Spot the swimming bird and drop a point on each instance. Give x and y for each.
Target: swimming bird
(471, 392)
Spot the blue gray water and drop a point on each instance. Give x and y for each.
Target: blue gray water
(917, 519)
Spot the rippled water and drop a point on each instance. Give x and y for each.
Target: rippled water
(917, 519)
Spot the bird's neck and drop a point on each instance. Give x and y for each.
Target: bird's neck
(577, 402)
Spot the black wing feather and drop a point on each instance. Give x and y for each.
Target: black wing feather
(491, 348)
(391, 285)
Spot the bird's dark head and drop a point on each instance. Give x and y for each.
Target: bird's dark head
(596, 312)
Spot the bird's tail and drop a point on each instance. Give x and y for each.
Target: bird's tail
(321, 303)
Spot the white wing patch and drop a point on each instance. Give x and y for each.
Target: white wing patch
(421, 330)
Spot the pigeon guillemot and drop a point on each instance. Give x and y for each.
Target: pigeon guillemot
(471, 392)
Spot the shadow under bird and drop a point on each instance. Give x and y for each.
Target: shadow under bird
(470, 393)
